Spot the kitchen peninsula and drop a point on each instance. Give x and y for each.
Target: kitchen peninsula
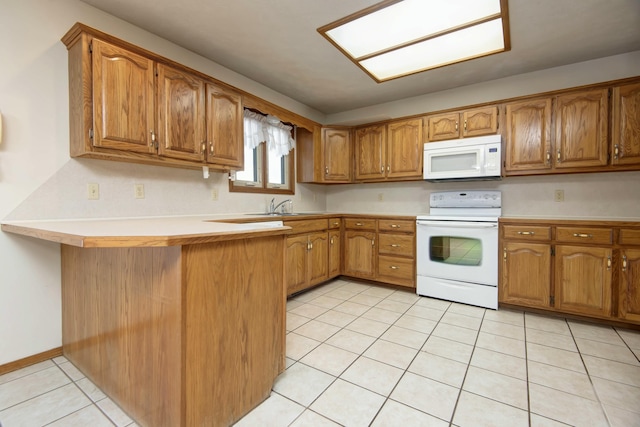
(181, 321)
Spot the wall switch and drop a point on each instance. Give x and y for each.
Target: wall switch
(559, 196)
(214, 194)
(380, 197)
(138, 191)
(93, 191)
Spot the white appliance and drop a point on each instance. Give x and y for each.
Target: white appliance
(468, 159)
(457, 247)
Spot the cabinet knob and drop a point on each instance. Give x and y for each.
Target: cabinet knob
(456, 125)
(393, 267)
(336, 223)
(608, 263)
(504, 254)
(203, 147)
(326, 170)
(616, 151)
(373, 242)
(548, 157)
(332, 240)
(624, 263)
(558, 156)
(395, 226)
(211, 148)
(527, 233)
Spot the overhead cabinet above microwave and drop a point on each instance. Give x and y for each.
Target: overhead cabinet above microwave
(467, 159)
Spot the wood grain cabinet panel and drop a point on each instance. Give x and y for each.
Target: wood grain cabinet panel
(526, 274)
(528, 135)
(629, 296)
(463, 124)
(225, 138)
(370, 144)
(581, 129)
(405, 149)
(360, 253)
(625, 128)
(583, 278)
(318, 258)
(526, 232)
(181, 112)
(585, 235)
(123, 99)
(336, 148)
(297, 272)
(335, 253)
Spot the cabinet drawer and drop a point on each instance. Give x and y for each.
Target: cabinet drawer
(399, 225)
(629, 236)
(335, 222)
(396, 244)
(360, 223)
(307, 225)
(527, 232)
(396, 270)
(584, 235)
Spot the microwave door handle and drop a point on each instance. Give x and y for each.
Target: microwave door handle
(454, 224)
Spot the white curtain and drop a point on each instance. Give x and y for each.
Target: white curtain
(258, 128)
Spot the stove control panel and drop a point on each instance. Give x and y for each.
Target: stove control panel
(466, 199)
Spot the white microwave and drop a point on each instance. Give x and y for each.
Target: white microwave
(477, 158)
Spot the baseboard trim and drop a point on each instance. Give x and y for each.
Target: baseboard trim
(30, 360)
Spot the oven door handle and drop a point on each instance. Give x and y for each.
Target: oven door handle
(458, 224)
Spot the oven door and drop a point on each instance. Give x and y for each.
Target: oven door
(458, 250)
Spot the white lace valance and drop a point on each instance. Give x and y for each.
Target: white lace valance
(269, 129)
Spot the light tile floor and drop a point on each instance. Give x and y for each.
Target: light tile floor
(365, 355)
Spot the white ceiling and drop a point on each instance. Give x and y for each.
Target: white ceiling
(275, 42)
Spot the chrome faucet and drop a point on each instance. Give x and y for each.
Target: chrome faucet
(272, 208)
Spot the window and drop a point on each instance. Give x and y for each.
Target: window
(268, 156)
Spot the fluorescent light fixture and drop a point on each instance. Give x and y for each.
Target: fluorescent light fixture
(396, 38)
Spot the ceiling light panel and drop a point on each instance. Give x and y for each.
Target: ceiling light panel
(384, 39)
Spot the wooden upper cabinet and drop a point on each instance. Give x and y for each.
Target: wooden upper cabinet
(626, 125)
(462, 124)
(225, 145)
(336, 149)
(405, 148)
(123, 99)
(370, 143)
(581, 123)
(528, 135)
(181, 112)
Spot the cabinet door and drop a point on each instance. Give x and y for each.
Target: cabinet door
(225, 141)
(297, 273)
(444, 126)
(480, 121)
(181, 112)
(583, 280)
(123, 99)
(626, 125)
(318, 257)
(359, 253)
(370, 153)
(336, 146)
(526, 274)
(405, 149)
(335, 253)
(630, 285)
(528, 135)
(581, 129)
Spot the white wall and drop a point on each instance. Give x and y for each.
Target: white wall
(39, 180)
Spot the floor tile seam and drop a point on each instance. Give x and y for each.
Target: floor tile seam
(553, 419)
(30, 373)
(595, 400)
(466, 373)
(42, 394)
(622, 345)
(78, 410)
(444, 321)
(547, 331)
(584, 365)
(526, 369)
(331, 324)
(502, 336)
(610, 360)
(397, 343)
(553, 347)
(450, 422)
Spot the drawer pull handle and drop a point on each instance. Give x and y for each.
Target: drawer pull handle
(527, 233)
(395, 226)
(394, 246)
(393, 267)
(609, 263)
(624, 263)
(336, 223)
(616, 151)
(583, 235)
(359, 224)
(332, 240)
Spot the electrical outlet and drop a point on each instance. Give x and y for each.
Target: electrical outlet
(214, 194)
(138, 191)
(380, 197)
(93, 191)
(559, 196)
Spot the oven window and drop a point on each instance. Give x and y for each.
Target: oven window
(455, 250)
(454, 162)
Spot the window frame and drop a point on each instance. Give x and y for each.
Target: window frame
(263, 186)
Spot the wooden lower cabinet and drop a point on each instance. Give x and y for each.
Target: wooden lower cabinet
(307, 258)
(360, 253)
(629, 296)
(583, 280)
(335, 253)
(586, 268)
(526, 274)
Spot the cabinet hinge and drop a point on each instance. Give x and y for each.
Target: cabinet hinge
(553, 251)
(552, 300)
(90, 133)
